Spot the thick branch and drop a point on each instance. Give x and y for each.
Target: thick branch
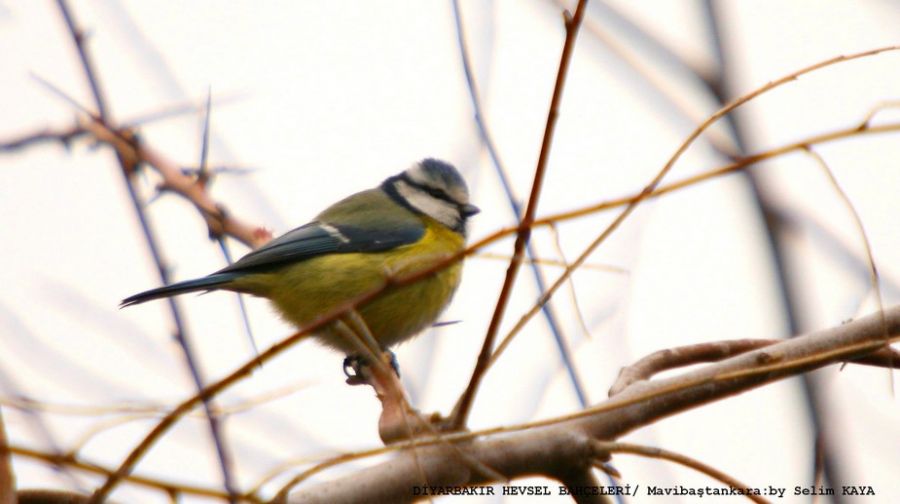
(7, 477)
(551, 446)
(578, 481)
(38, 496)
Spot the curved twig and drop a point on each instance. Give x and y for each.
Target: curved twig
(715, 351)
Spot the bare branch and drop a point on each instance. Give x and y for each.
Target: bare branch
(514, 203)
(651, 187)
(579, 484)
(715, 351)
(218, 220)
(550, 446)
(523, 233)
(127, 166)
(50, 497)
(7, 476)
(62, 136)
(860, 228)
(167, 487)
(647, 451)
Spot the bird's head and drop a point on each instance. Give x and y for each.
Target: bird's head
(434, 188)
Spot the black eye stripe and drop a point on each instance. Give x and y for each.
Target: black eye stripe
(437, 193)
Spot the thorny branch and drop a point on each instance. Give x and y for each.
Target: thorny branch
(144, 153)
(128, 166)
(130, 150)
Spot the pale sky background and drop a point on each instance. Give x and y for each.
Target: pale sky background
(322, 99)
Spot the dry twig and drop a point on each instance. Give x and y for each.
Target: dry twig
(715, 351)
(523, 232)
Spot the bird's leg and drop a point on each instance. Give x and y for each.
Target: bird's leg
(352, 369)
(378, 368)
(354, 363)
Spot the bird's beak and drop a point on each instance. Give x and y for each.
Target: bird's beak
(469, 210)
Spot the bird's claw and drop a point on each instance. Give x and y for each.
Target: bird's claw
(353, 365)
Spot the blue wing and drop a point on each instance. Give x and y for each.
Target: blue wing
(317, 238)
(368, 221)
(365, 222)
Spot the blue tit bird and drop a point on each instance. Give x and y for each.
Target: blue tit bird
(411, 222)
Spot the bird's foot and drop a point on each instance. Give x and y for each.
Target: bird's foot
(354, 364)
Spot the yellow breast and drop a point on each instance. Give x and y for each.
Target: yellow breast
(304, 290)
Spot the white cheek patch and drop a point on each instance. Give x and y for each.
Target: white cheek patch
(442, 211)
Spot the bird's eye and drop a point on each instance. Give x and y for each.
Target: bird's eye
(438, 193)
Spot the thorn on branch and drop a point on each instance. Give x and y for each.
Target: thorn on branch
(191, 171)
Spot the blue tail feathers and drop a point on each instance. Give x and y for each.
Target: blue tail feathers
(206, 283)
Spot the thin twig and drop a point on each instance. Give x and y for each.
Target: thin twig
(665, 51)
(579, 316)
(80, 464)
(204, 179)
(537, 447)
(658, 83)
(66, 136)
(861, 229)
(398, 421)
(218, 220)
(513, 200)
(649, 188)
(553, 262)
(62, 136)
(774, 240)
(276, 349)
(464, 405)
(137, 453)
(127, 169)
(127, 465)
(738, 165)
(605, 447)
